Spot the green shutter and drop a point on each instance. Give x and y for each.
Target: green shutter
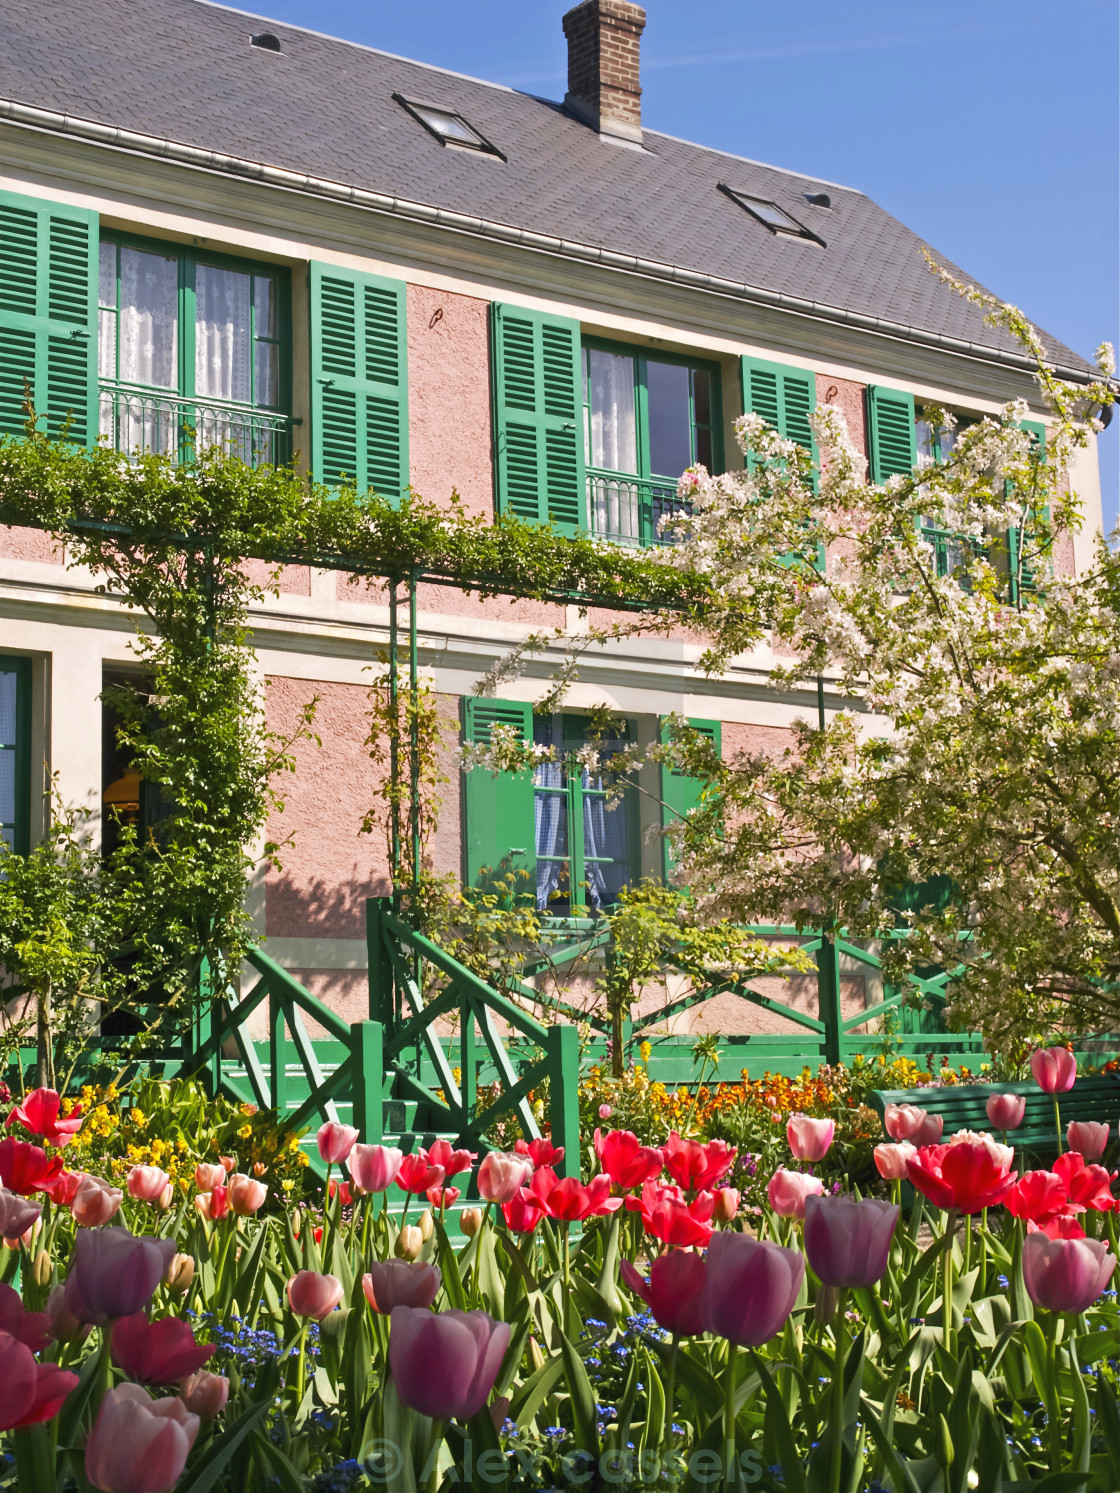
(784, 396)
(679, 791)
(499, 833)
(538, 416)
(48, 316)
(359, 380)
(891, 436)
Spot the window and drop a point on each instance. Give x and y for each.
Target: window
(191, 349)
(934, 444)
(646, 418)
(449, 127)
(15, 752)
(771, 216)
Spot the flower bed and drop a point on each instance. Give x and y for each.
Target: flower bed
(636, 1327)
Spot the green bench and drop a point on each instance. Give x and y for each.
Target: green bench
(962, 1106)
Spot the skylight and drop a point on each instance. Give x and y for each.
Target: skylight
(449, 127)
(771, 215)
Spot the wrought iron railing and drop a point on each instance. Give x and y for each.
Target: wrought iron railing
(146, 420)
(630, 510)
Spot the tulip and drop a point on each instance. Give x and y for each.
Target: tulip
(809, 1139)
(30, 1392)
(1040, 1197)
(313, 1295)
(751, 1288)
(16, 1214)
(1006, 1111)
(228, 1164)
(214, 1204)
(440, 1154)
(42, 1268)
(787, 1192)
(374, 1168)
(929, 1131)
(541, 1152)
(161, 1352)
(674, 1291)
(32, 1329)
(624, 1161)
(246, 1195)
(1054, 1069)
(147, 1183)
(470, 1221)
(442, 1198)
(605, 1111)
(113, 1273)
(1088, 1137)
(39, 1114)
(204, 1394)
(63, 1188)
(696, 1167)
(410, 1241)
(667, 1216)
(208, 1175)
(891, 1160)
(335, 1142)
(726, 1204)
(848, 1239)
(523, 1213)
(1089, 1185)
(965, 1177)
(568, 1200)
(26, 1239)
(65, 1327)
(501, 1175)
(179, 1274)
(24, 1168)
(343, 1193)
(444, 1364)
(1002, 1155)
(390, 1283)
(1065, 1275)
(902, 1121)
(139, 1445)
(426, 1224)
(416, 1174)
(95, 1202)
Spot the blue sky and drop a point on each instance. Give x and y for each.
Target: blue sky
(987, 126)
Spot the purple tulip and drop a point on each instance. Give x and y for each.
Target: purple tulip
(847, 1239)
(444, 1364)
(751, 1288)
(1065, 1275)
(114, 1274)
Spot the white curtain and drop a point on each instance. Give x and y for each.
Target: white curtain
(604, 840)
(149, 319)
(550, 815)
(613, 423)
(222, 334)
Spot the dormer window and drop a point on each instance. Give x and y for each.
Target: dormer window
(770, 215)
(449, 127)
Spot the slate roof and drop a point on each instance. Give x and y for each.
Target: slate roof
(184, 70)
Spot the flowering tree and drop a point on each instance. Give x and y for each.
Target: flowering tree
(971, 791)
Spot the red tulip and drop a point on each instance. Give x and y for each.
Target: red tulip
(24, 1168)
(204, 1394)
(625, 1162)
(16, 1214)
(139, 1445)
(1089, 1185)
(335, 1142)
(787, 1192)
(1065, 1275)
(246, 1195)
(39, 1114)
(1064, 1226)
(1054, 1069)
(1089, 1137)
(113, 1273)
(1038, 1196)
(444, 1364)
(667, 1216)
(208, 1175)
(848, 1239)
(313, 1295)
(147, 1183)
(32, 1329)
(541, 1152)
(342, 1191)
(30, 1392)
(442, 1198)
(390, 1283)
(568, 1200)
(214, 1204)
(891, 1160)
(374, 1168)
(523, 1213)
(161, 1352)
(809, 1139)
(62, 1189)
(501, 1175)
(439, 1153)
(964, 1176)
(674, 1291)
(751, 1288)
(1006, 1111)
(95, 1202)
(697, 1167)
(417, 1174)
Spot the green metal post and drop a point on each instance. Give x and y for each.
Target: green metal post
(468, 1062)
(828, 996)
(562, 1046)
(278, 1053)
(414, 744)
(378, 963)
(209, 1012)
(394, 753)
(367, 1077)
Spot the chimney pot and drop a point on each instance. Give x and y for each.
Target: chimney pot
(603, 74)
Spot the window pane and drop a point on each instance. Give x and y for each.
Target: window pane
(107, 276)
(222, 334)
(613, 441)
(605, 841)
(7, 786)
(704, 446)
(550, 813)
(265, 307)
(670, 418)
(701, 396)
(267, 374)
(149, 319)
(106, 343)
(8, 683)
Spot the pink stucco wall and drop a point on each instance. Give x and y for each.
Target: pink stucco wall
(29, 544)
(293, 580)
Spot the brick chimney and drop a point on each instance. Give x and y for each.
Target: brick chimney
(603, 87)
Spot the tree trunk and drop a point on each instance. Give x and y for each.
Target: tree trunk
(616, 1041)
(44, 1041)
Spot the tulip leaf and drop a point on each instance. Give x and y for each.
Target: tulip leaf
(582, 1395)
(278, 1464)
(779, 1429)
(34, 1456)
(1080, 1458)
(606, 1286)
(899, 1470)
(704, 1389)
(630, 1397)
(536, 1389)
(1108, 1418)
(77, 1402)
(1021, 1305)
(211, 1466)
(657, 1413)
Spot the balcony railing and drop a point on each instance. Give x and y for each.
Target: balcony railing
(144, 420)
(629, 510)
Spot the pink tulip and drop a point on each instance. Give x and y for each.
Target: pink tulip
(246, 1195)
(147, 1183)
(32, 1329)
(313, 1295)
(39, 1114)
(95, 1202)
(674, 1291)
(208, 1175)
(335, 1142)
(624, 1160)
(848, 1239)
(416, 1174)
(17, 1214)
(1054, 1069)
(30, 1392)
(929, 1131)
(726, 1204)
(501, 1174)
(697, 1167)
(65, 1327)
(374, 1168)
(809, 1139)
(113, 1273)
(1006, 1111)
(891, 1159)
(751, 1288)
(139, 1445)
(214, 1204)
(787, 1192)
(1065, 1275)
(444, 1364)
(390, 1283)
(161, 1352)
(204, 1394)
(605, 1111)
(1089, 1137)
(439, 1153)
(63, 1188)
(902, 1121)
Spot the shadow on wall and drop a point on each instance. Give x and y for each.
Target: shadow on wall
(314, 907)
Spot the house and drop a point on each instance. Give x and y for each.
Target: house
(303, 247)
